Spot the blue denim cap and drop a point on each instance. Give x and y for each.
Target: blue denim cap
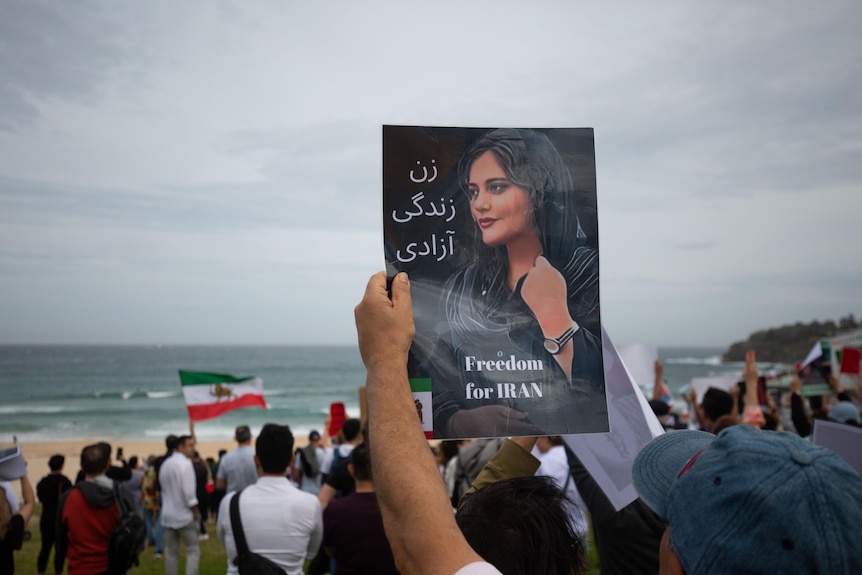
(845, 411)
(751, 501)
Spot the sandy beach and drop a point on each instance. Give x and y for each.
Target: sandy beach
(37, 454)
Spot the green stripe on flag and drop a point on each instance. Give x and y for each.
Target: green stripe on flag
(419, 384)
(206, 378)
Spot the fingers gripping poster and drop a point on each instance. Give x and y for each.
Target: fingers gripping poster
(498, 231)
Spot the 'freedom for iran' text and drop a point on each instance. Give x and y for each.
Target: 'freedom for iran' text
(504, 391)
(511, 364)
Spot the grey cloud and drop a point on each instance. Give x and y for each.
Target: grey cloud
(697, 246)
(54, 50)
(251, 206)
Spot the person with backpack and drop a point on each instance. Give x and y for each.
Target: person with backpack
(337, 481)
(307, 463)
(13, 521)
(89, 514)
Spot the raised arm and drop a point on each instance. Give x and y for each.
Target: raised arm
(656, 388)
(751, 413)
(837, 388)
(416, 511)
(797, 407)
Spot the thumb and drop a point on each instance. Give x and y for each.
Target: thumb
(401, 291)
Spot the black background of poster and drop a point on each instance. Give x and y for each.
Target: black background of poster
(403, 147)
(410, 148)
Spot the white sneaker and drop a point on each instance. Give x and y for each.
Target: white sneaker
(203, 536)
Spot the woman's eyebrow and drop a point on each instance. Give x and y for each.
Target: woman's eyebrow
(497, 180)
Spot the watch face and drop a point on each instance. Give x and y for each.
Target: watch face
(552, 346)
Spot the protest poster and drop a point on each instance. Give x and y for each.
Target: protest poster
(497, 229)
(608, 457)
(843, 439)
(12, 464)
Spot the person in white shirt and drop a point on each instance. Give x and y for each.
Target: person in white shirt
(554, 463)
(280, 522)
(180, 507)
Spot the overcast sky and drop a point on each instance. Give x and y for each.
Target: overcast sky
(210, 172)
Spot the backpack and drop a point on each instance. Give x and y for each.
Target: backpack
(247, 562)
(308, 459)
(127, 539)
(470, 461)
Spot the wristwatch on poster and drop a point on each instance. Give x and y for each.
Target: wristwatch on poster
(554, 345)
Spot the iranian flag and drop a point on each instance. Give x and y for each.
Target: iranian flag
(209, 395)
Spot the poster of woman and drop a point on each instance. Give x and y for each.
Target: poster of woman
(497, 229)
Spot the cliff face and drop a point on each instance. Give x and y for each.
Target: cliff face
(789, 343)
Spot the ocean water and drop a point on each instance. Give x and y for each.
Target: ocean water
(133, 392)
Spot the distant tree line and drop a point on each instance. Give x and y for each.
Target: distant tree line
(788, 343)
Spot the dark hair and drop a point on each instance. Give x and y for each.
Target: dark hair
(95, 458)
(361, 461)
(351, 429)
(449, 449)
(243, 433)
(171, 442)
(717, 402)
(659, 407)
(56, 462)
(520, 526)
(182, 439)
(133, 461)
(274, 448)
(531, 162)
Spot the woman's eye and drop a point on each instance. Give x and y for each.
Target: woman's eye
(497, 188)
(472, 192)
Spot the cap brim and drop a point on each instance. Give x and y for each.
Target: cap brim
(658, 464)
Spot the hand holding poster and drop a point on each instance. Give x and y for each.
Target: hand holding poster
(497, 230)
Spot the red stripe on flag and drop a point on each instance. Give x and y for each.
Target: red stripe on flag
(206, 411)
(850, 358)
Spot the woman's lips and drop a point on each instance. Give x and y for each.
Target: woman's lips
(485, 222)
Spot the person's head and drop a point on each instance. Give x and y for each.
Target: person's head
(524, 169)
(716, 402)
(751, 501)
(845, 412)
(243, 434)
(186, 445)
(171, 442)
(360, 463)
(222, 453)
(95, 459)
(724, 422)
(274, 449)
(133, 462)
(314, 437)
(351, 430)
(56, 463)
(520, 525)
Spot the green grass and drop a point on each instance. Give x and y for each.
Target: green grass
(213, 559)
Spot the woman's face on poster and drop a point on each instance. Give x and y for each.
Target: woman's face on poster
(501, 209)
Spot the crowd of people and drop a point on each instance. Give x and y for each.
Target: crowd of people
(745, 492)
